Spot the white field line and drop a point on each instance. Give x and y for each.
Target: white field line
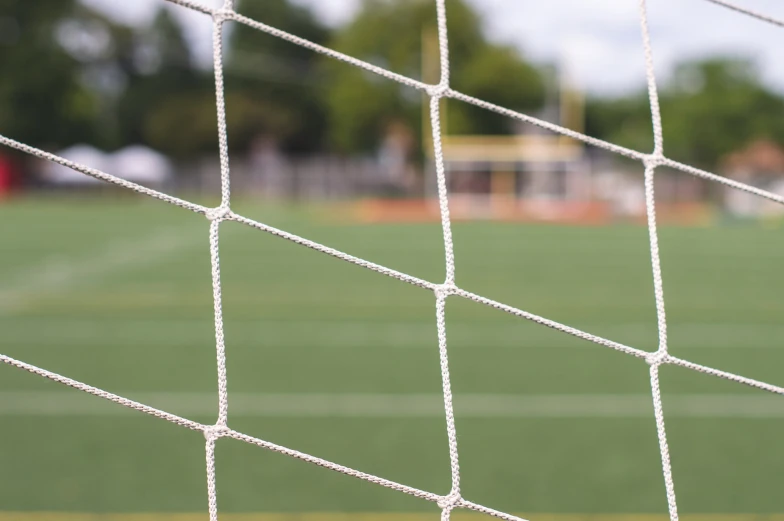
(350, 334)
(459, 515)
(59, 273)
(749, 406)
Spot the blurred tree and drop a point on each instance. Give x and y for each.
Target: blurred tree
(273, 87)
(392, 34)
(168, 103)
(43, 100)
(709, 108)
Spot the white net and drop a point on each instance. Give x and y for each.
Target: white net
(442, 291)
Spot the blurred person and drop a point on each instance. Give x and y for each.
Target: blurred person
(395, 154)
(269, 165)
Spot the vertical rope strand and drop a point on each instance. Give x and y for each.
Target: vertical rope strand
(661, 355)
(653, 239)
(653, 94)
(220, 103)
(212, 494)
(438, 153)
(216, 216)
(447, 390)
(664, 449)
(454, 498)
(443, 43)
(220, 343)
(443, 198)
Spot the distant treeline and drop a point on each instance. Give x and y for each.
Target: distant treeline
(71, 75)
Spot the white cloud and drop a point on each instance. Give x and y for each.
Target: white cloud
(601, 38)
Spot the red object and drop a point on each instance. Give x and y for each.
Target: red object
(6, 176)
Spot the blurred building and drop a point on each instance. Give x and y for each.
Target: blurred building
(680, 197)
(533, 174)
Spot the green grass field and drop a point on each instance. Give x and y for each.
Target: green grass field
(341, 362)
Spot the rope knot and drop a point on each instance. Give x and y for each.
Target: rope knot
(657, 358)
(221, 15)
(653, 160)
(218, 214)
(213, 432)
(450, 502)
(444, 290)
(438, 91)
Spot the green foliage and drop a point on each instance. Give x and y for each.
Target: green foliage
(168, 104)
(182, 125)
(392, 35)
(495, 74)
(709, 109)
(270, 88)
(158, 96)
(273, 84)
(162, 99)
(45, 103)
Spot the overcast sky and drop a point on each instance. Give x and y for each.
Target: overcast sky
(598, 40)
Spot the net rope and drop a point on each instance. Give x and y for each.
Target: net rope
(442, 291)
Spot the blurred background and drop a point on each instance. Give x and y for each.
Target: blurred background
(112, 289)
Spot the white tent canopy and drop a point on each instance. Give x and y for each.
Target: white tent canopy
(135, 163)
(82, 154)
(141, 165)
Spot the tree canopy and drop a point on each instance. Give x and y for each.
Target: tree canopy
(709, 108)
(168, 103)
(273, 86)
(46, 102)
(74, 76)
(393, 35)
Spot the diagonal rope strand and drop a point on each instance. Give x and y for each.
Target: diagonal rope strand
(196, 6)
(389, 272)
(89, 389)
(558, 129)
(725, 375)
(411, 491)
(326, 51)
(97, 174)
(210, 430)
(639, 353)
(722, 180)
(755, 14)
